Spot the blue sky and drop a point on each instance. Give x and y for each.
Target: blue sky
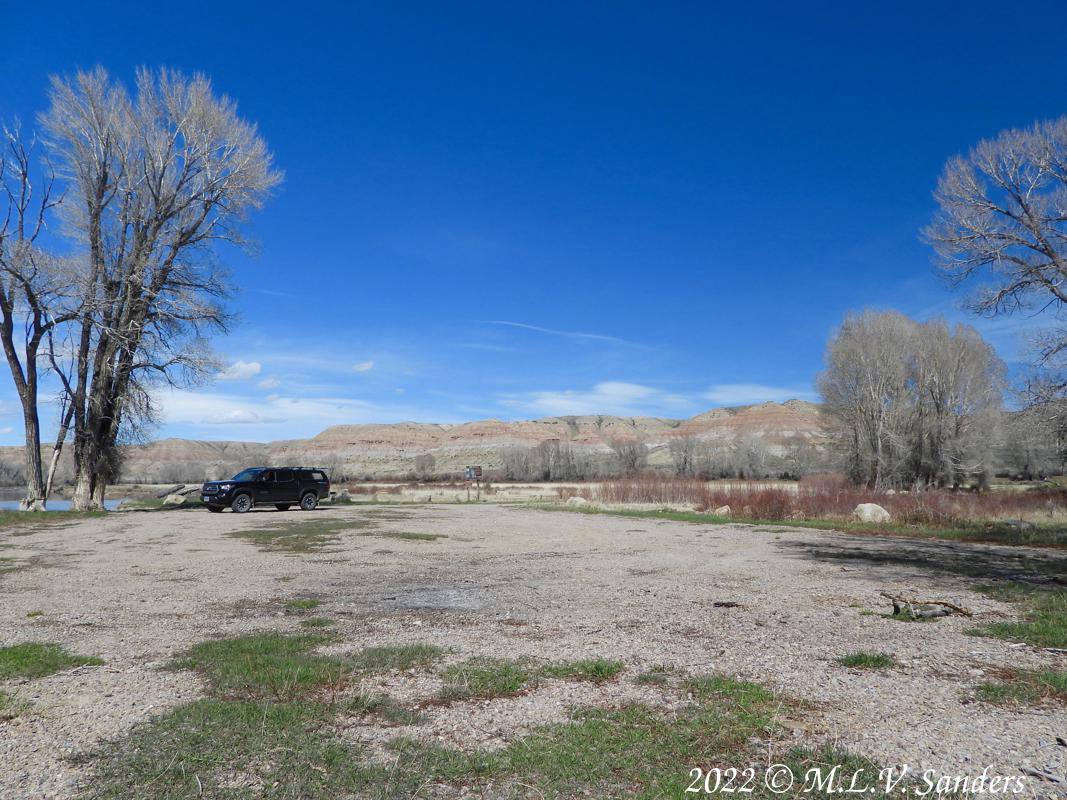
(501, 211)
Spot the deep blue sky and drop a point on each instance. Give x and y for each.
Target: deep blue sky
(681, 200)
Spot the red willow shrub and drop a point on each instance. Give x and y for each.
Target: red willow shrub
(829, 496)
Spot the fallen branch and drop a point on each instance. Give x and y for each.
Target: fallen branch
(913, 607)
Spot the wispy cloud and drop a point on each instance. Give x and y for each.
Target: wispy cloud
(363, 366)
(736, 394)
(274, 293)
(593, 337)
(240, 371)
(610, 397)
(279, 416)
(269, 383)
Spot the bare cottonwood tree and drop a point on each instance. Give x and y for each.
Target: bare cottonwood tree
(154, 181)
(1002, 225)
(632, 455)
(35, 289)
(684, 452)
(910, 402)
(425, 465)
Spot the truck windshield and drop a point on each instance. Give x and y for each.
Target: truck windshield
(247, 475)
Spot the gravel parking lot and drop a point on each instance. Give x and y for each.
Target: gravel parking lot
(773, 605)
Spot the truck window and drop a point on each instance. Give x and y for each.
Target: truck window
(285, 475)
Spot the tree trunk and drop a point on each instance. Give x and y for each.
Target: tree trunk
(57, 449)
(35, 494)
(85, 481)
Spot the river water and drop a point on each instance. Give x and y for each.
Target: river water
(10, 496)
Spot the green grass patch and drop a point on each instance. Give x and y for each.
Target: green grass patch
(396, 657)
(302, 604)
(1025, 687)
(1044, 611)
(378, 705)
(316, 622)
(32, 614)
(36, 521)
(280, 668)
(266, 666)
(865, 660)
(226, 749)
(595, 669)
(656, 675)
(37, 659)
(484, 678)
(11, 706)
(246, 746)
(495, 677)
(307, 536)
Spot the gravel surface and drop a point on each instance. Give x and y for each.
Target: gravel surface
(137, 588)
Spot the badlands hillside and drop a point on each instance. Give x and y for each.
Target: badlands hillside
(393, 451)
(771, 435)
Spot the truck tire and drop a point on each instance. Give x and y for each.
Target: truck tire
(241, 503)
(309, 501)
(282, 506)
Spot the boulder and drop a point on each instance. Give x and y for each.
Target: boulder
(577, 501)
(871, 512)
(722, 511)
(174, 499)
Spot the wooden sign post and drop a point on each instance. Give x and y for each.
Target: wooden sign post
(473, 474)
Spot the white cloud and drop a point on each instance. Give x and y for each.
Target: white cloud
(269, 383)
(363, 366)
(610, 397)
(277, 416)
(737, 394)
(8, 429)
(240, 371)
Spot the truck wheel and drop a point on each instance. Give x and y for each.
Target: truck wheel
(282, 506)
(241, 503)
(309, 501)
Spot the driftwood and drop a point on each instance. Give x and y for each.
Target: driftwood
(915, 608)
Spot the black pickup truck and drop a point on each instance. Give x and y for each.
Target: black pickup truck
(281, 487)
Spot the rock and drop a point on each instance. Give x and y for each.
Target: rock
(1020, 525)
(890, 491)
(871, 512)
(577, 501)
(174, 499)
(722, 511)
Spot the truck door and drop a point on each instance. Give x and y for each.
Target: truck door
(285, 487)
(265, 486)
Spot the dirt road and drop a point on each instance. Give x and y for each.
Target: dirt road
(137, 588)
